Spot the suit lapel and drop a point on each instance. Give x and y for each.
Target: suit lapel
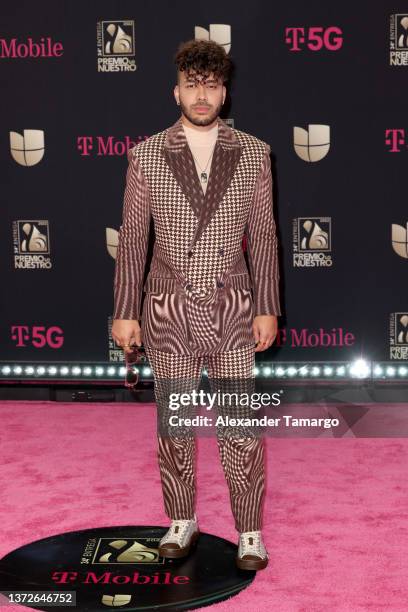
(226, 156)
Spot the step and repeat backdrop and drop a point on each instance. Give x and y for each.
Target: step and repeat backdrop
(324, 85)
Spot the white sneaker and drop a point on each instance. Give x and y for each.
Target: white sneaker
(177, 541)
(252, 554)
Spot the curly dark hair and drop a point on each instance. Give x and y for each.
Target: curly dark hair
(204, 57)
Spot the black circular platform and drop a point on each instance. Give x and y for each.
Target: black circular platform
(120, 568)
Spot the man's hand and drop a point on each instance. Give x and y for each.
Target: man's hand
(265, 328)
(126, 332)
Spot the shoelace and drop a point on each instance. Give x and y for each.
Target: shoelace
(252, 540)
(181, 524)
(255, 535)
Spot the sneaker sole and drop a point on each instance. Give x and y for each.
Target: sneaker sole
(177, 553)
(251, 564)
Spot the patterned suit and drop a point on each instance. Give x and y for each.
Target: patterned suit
(199, 307)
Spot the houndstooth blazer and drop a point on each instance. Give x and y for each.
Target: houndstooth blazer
(200, 296)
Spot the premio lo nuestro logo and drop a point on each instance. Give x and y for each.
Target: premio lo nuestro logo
(116, 46)
(108, 550)
(312, 242)
(115, 353)
(399, 335)
(31, 244)
(399, 39)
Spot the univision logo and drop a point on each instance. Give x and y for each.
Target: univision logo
(112, 241)
(27, 150)
(312, 144)
(218, 32)
(115, 601)
(399, 239)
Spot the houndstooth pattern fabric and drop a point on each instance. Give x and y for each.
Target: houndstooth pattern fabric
(242, 457)
(175, 215)
(198, 290)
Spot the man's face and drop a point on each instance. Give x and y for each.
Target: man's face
(201, 97)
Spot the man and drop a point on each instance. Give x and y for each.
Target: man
(205, 185)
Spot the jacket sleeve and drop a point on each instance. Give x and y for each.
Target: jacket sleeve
(132, 244)
(262, 244)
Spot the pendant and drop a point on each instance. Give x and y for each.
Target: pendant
(203, 177)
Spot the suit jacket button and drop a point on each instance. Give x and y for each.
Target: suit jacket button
(190, 253)
(220, 284)
(189, 287)
(221, 251)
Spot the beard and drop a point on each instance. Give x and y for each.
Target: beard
(199, 119)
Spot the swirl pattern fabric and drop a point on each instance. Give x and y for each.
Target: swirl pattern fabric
(242, 457)
(200, 296)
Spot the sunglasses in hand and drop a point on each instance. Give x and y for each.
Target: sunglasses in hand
(136, 357)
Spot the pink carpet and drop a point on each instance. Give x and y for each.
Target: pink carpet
(335, 521)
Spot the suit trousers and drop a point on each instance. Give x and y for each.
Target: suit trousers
(242, 453)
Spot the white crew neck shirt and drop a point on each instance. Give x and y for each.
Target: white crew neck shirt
(202, 145)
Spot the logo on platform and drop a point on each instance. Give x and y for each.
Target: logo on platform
(27, 150)
(399, 239)
(399, 335)
(218, 32)
(116, 46)
(399, 39)
(115, 601)
(312, 144)
(120, 565)
(31, 243)
(126, 551)
(312, 242)
(314, 38)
